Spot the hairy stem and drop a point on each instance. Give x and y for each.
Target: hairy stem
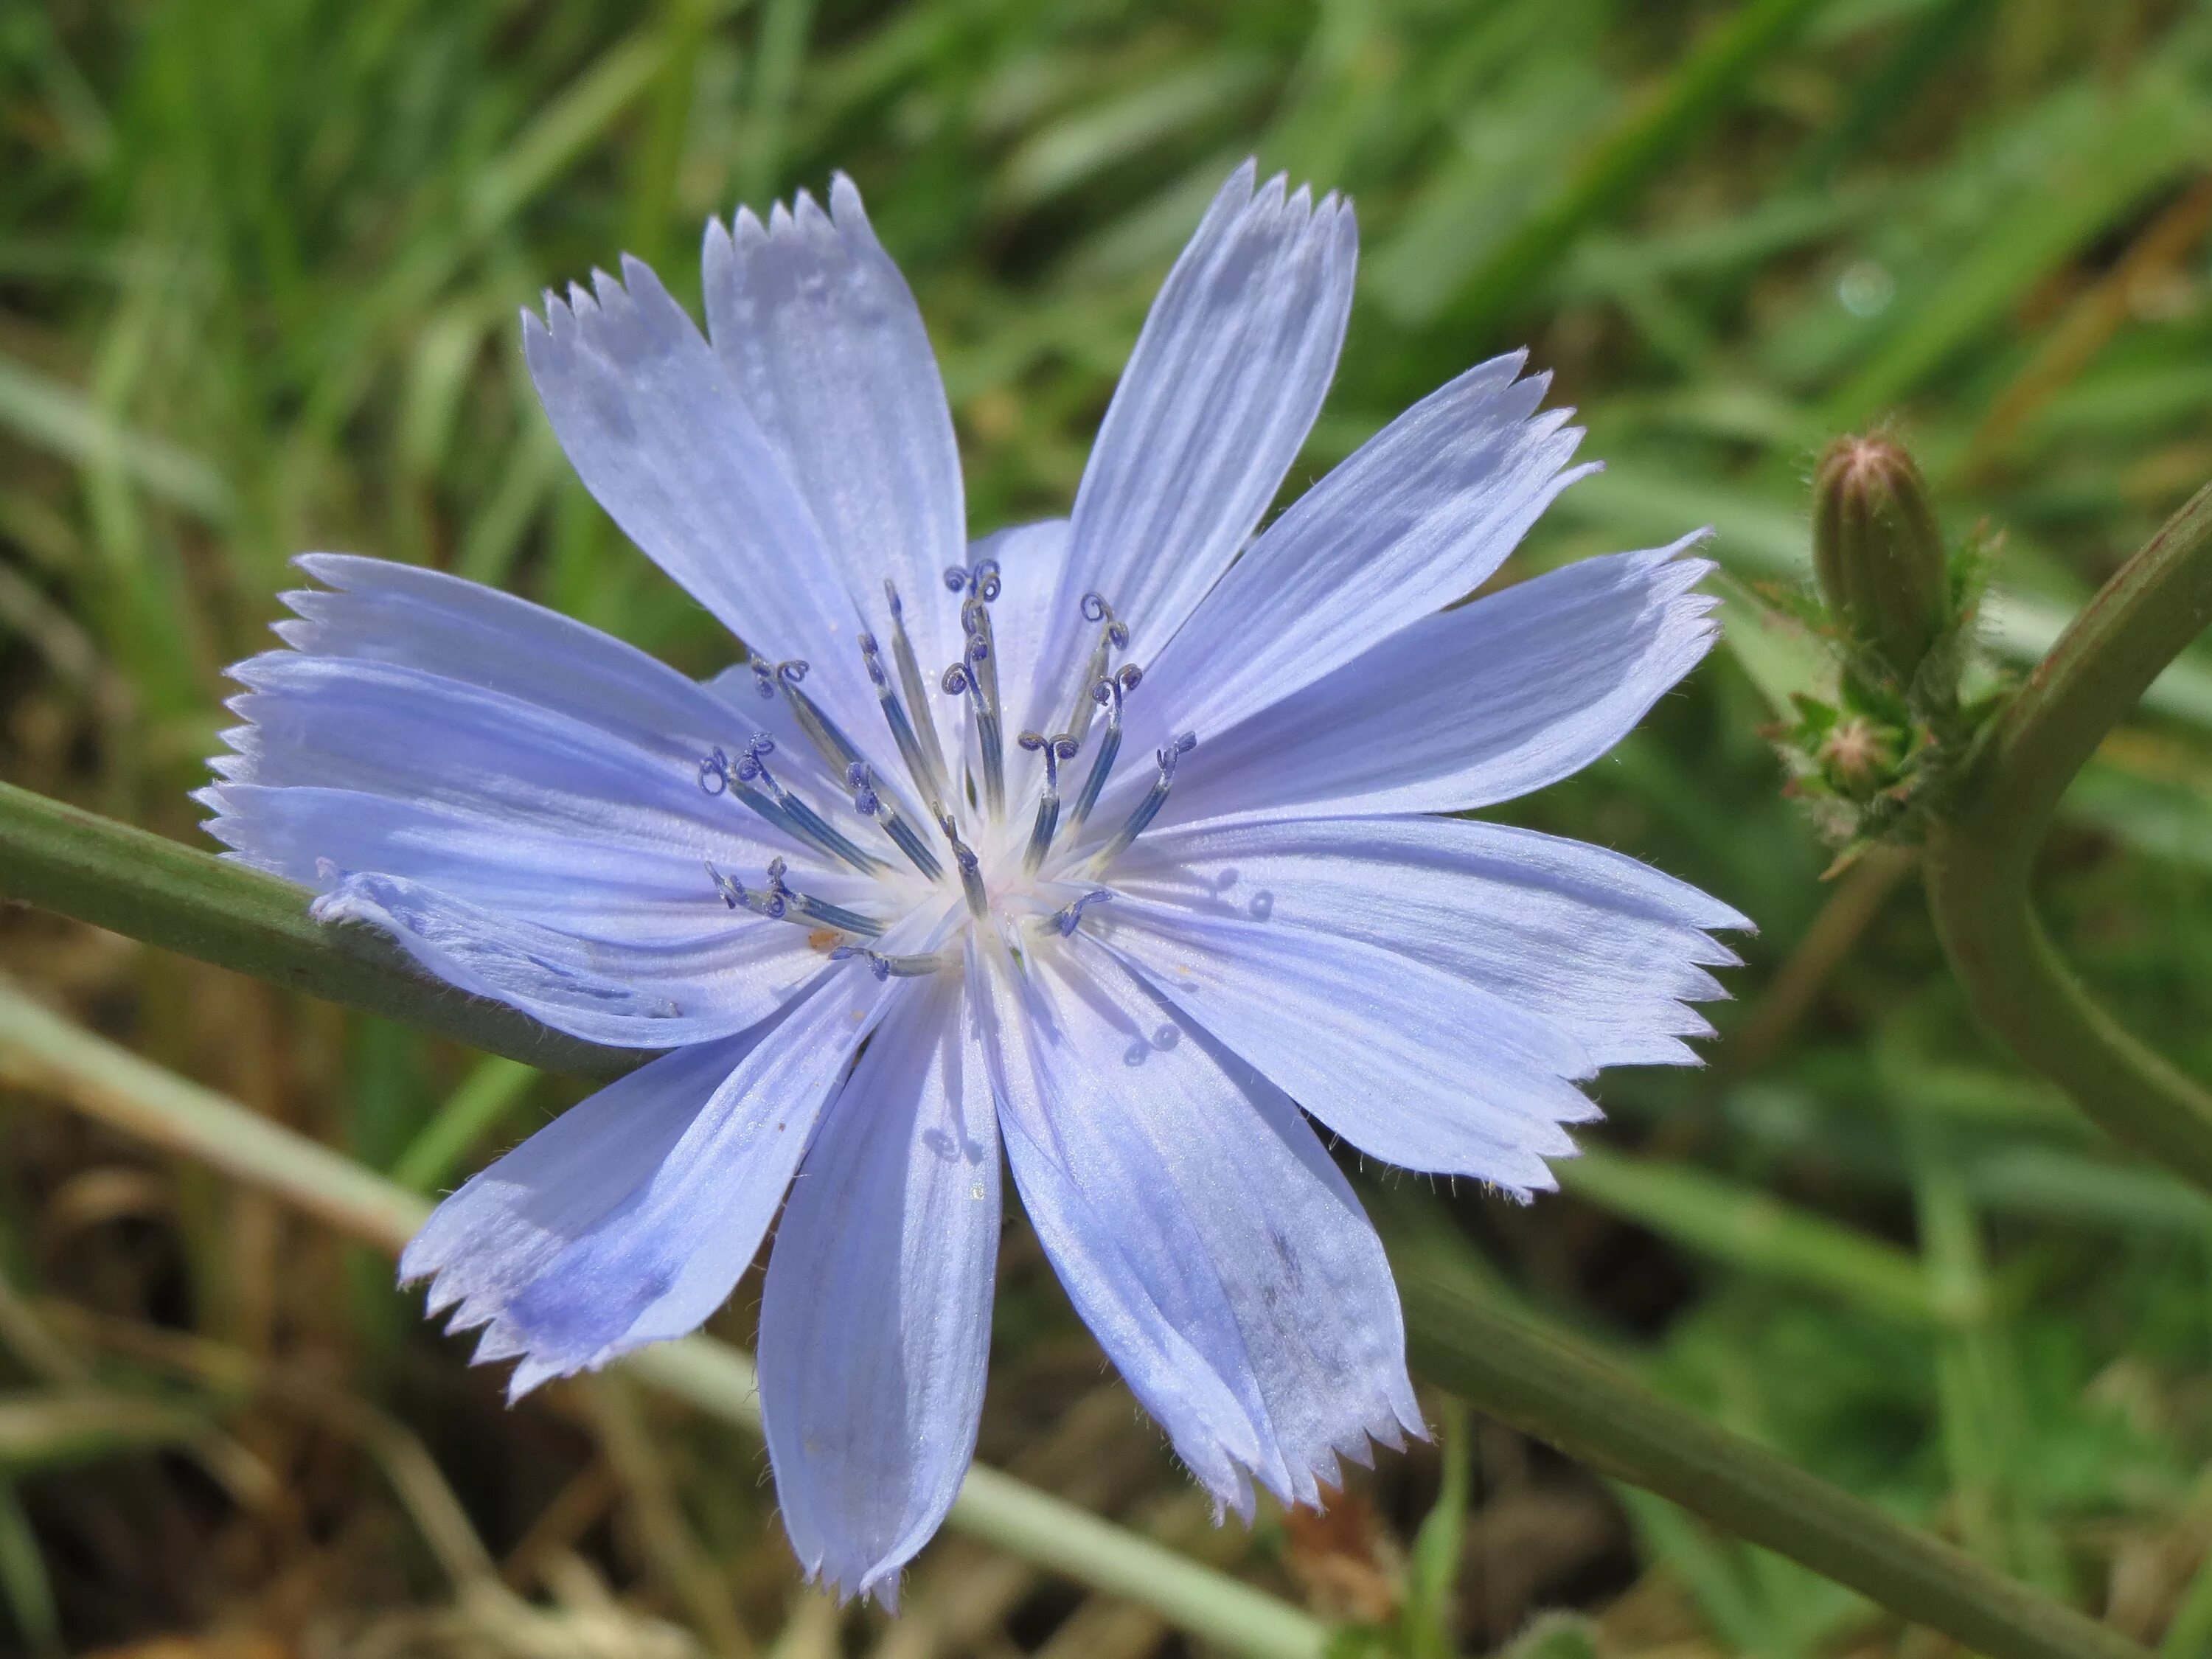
(1554, 1389)
(148, 887)
(1981, 854)
(1549, 1386)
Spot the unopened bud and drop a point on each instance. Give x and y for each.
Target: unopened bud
(1857, 757)
(1878, 552)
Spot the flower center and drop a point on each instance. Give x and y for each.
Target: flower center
(960, 861)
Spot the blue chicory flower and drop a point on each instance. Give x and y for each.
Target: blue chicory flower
(938, 876)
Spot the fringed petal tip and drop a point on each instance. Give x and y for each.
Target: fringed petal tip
(1244, 186)
(478, 1307)
(476, 1302)
(482, 1303)
(1538, 1178)
(1235, 1486)
(878, 1581)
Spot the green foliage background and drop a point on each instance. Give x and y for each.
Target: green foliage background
(259, 267)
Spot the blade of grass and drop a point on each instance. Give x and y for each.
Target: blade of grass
(1704, 85)
(778, 59)
(1432, 1570)
(1709, 1571)
(60, 419)
(489, 1093)
(23, 1577)
(53, 1429)
(1747, 1229)
(2129, 141)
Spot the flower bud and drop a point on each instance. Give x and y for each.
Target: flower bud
(1878, 552)
(1857, 757)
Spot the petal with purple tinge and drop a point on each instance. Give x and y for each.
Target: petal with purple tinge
(1590, 941)
(823, 340)
(574, 883)
(655, 429)
(636, 996)
(628, 1218)
(1227, 376)
(378, 611)
(387, 729)
(1421, 515)
(1410, 1064)
(1468, 708)
(876, 1322)
(1201, 1230)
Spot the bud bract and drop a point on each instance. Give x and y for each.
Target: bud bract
(1878, 552)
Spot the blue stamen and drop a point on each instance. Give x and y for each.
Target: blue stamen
(976, 677)
(1053, 751)
(829, 741)
(932, 776)
(861, 780)
(895, 967)
(829, 916)
(718, 776)
(1109, 694)
(753, 769)
(971, 868)
(1155, 798)
(1113, 635)
(1069, 917)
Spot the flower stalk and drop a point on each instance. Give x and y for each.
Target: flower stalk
(148, 887)
(157, 891)
(1981, 848)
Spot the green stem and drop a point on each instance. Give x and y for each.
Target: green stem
(1548, 1387)
(148, 887)
(40, 1049)
(1982, 853)
(1557, 1391)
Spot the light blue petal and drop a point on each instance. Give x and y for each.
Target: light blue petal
(1214, 1430)
(1218, 397)
(1605, 947)
(660, 437)
(641, 996)
(1030, 558)
(1408, 1062)
(628, 1219)
(521, 852)
(384, 611)
(1202, 1232)
(1420, 516)
(590, 888)
(823, 340)
(1478, 705)
(876, 1322)
(489, 1241)
(386, 729)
